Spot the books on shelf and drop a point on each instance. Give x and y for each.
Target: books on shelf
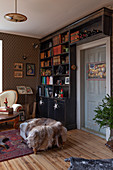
(42, 55)
(47, 80)
(75, 36)
(57, 40)
(57, 50)
(56, 60)
(65, 37)
(48, 92)
(42, 64)
(67, 59)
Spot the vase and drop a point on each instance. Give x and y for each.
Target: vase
(109, 134)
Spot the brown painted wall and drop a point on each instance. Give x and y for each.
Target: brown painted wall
(14, 47)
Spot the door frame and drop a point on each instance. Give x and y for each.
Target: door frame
(103, 41)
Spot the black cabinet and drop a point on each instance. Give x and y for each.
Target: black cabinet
(52, 108)
(42, 107)
(59, 111)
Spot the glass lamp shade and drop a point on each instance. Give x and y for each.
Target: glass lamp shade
(15, 17)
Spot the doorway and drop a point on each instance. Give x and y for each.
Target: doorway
(93, 81)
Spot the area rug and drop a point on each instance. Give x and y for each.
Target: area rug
(14, 146)
(89, 164)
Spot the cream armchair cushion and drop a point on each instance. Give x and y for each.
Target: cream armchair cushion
(11, 96)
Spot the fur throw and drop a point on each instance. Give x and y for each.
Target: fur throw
(43, 133)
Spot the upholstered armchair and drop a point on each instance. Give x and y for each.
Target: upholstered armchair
(12, 97)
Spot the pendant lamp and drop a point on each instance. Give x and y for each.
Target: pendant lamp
(15, 17)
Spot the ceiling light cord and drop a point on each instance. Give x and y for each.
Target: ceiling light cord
(15, 6)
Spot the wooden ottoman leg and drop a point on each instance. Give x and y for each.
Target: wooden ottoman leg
(34, 150)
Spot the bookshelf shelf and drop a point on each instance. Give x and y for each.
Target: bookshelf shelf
(61, 43)
(46, 67)
(60, 64)
(62, 54)
(47, 58)
(64, 85)
(47, 49)
(60, 75)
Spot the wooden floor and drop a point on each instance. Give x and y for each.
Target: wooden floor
(79, 144)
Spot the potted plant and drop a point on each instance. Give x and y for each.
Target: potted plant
(104, 114)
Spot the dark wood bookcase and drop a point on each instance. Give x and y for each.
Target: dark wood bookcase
(56, 94)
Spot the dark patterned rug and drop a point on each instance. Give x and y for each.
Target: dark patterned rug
(14, 146)
(87, 164)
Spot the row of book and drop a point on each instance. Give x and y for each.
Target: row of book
(65, 37)
(45, 72)
(48, 92)
(57, 50)
(46, 54)
(79, 35)
(47, 80)
(56, 60)
(46, 63)
(57, 40)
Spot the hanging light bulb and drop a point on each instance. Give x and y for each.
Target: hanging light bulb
(15, 17)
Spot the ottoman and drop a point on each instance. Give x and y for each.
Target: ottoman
(43, 133)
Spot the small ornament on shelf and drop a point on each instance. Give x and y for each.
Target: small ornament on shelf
(6, 102)
(61, 93)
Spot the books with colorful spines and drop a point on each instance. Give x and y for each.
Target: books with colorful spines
(42, 55)
(47, 82)
(6, 110)
(75, 36)
(43, 80)
(42, 64)
(51, 80)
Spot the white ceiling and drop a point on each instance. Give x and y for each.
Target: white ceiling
(46, 16)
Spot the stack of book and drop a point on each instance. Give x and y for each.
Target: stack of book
(42, 64)
(42, 56)
(57, 40)
(47, 63)
(75, 36)
(6, 110)
(57, 50)
(67, 59)
(56, 60)
(47, 80)
(65, 37)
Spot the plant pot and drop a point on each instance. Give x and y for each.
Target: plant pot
(109, 134)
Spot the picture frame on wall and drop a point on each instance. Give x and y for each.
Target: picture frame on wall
(66, 80)
(30, 69)
(18, 66)
(18, 74)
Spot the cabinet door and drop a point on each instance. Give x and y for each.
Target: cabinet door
(59, 111)
(43, 107)
(51, 108)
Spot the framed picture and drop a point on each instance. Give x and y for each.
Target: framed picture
(18, 74)
(66, 80)
(30, 69)
(18, 66)
(96, 71)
